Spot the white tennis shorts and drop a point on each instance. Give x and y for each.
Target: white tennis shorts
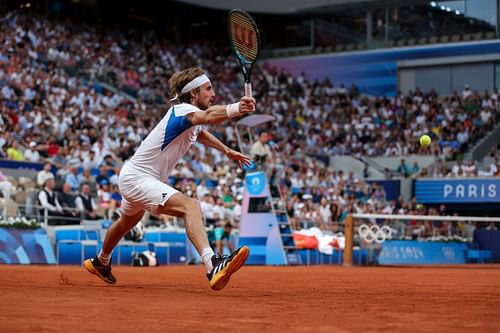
(142, 192)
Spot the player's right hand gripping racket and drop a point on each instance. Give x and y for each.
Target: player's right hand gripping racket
(245, 40)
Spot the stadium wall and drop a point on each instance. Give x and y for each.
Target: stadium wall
(19, 246)
(448, 74)
(376, 72)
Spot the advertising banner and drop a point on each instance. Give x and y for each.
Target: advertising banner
(421, 253)
(458, 191)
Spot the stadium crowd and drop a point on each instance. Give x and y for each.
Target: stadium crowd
(54, 110)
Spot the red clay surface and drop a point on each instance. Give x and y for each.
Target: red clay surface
(277, 299)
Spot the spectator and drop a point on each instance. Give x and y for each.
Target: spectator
(116, 198)
(72, 178)
(207, 209)
(487, 172)
(67, 201)
(103, 175)
(219, 210)
(261, 152)
(457, 170)
(86, 177)
(47, 199)
(104, 194)
(86, 203)
(217, 236)
(325, 210)
(470, 169)
(415, 169)
(90, 161)
(403, 169)
(31, 154)
(45, 174)
(14, 152)
(5, 186)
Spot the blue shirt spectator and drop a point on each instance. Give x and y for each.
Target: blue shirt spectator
(72, 179)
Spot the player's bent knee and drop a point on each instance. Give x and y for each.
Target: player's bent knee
(127, 222)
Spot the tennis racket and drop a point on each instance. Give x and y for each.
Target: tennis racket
(245, 41)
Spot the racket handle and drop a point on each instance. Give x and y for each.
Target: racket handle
(248, 89)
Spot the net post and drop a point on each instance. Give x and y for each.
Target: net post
(349, 235)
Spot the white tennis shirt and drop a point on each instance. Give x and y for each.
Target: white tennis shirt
(166, 144)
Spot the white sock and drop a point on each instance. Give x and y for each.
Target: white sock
(206, 256)
(104, 258)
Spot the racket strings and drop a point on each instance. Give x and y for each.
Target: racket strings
(244, 36)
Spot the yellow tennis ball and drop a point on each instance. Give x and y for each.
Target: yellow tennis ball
(425, 140)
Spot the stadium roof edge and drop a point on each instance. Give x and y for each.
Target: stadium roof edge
(297, 6)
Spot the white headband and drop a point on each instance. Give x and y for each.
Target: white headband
(195, 83)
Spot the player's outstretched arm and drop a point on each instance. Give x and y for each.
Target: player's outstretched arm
(219, 113)
(209, 140)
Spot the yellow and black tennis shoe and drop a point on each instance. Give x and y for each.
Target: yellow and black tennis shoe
(95, 267)
(225, 266)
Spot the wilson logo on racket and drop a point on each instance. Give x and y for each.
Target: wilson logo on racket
(245, 41)
(243, 36)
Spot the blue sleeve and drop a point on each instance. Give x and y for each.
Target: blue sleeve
(176, 125)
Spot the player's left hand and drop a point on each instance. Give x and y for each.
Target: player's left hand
(239, 157)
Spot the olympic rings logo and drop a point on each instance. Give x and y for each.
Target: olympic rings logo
(375, 233)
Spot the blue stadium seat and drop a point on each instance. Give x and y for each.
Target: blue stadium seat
(210, 183)
(479, 256)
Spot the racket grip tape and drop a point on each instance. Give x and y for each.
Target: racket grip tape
(248, 89)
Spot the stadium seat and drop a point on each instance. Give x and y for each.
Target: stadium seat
(339, 48)
(390, 43)
(319, 49)
(444, 39)
(401, 42)
(467, 37)
(479, 256)
(422, 40)
(21, 197)
(433, 40)
(490, 35)
(478, 35)
(11, 209)
(455, 38)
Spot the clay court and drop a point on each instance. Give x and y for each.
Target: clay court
(277, 299)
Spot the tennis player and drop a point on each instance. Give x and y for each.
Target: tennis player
(143, 178)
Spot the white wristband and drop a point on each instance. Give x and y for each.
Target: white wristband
(233, 110)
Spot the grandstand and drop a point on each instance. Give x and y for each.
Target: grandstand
(350, 85)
